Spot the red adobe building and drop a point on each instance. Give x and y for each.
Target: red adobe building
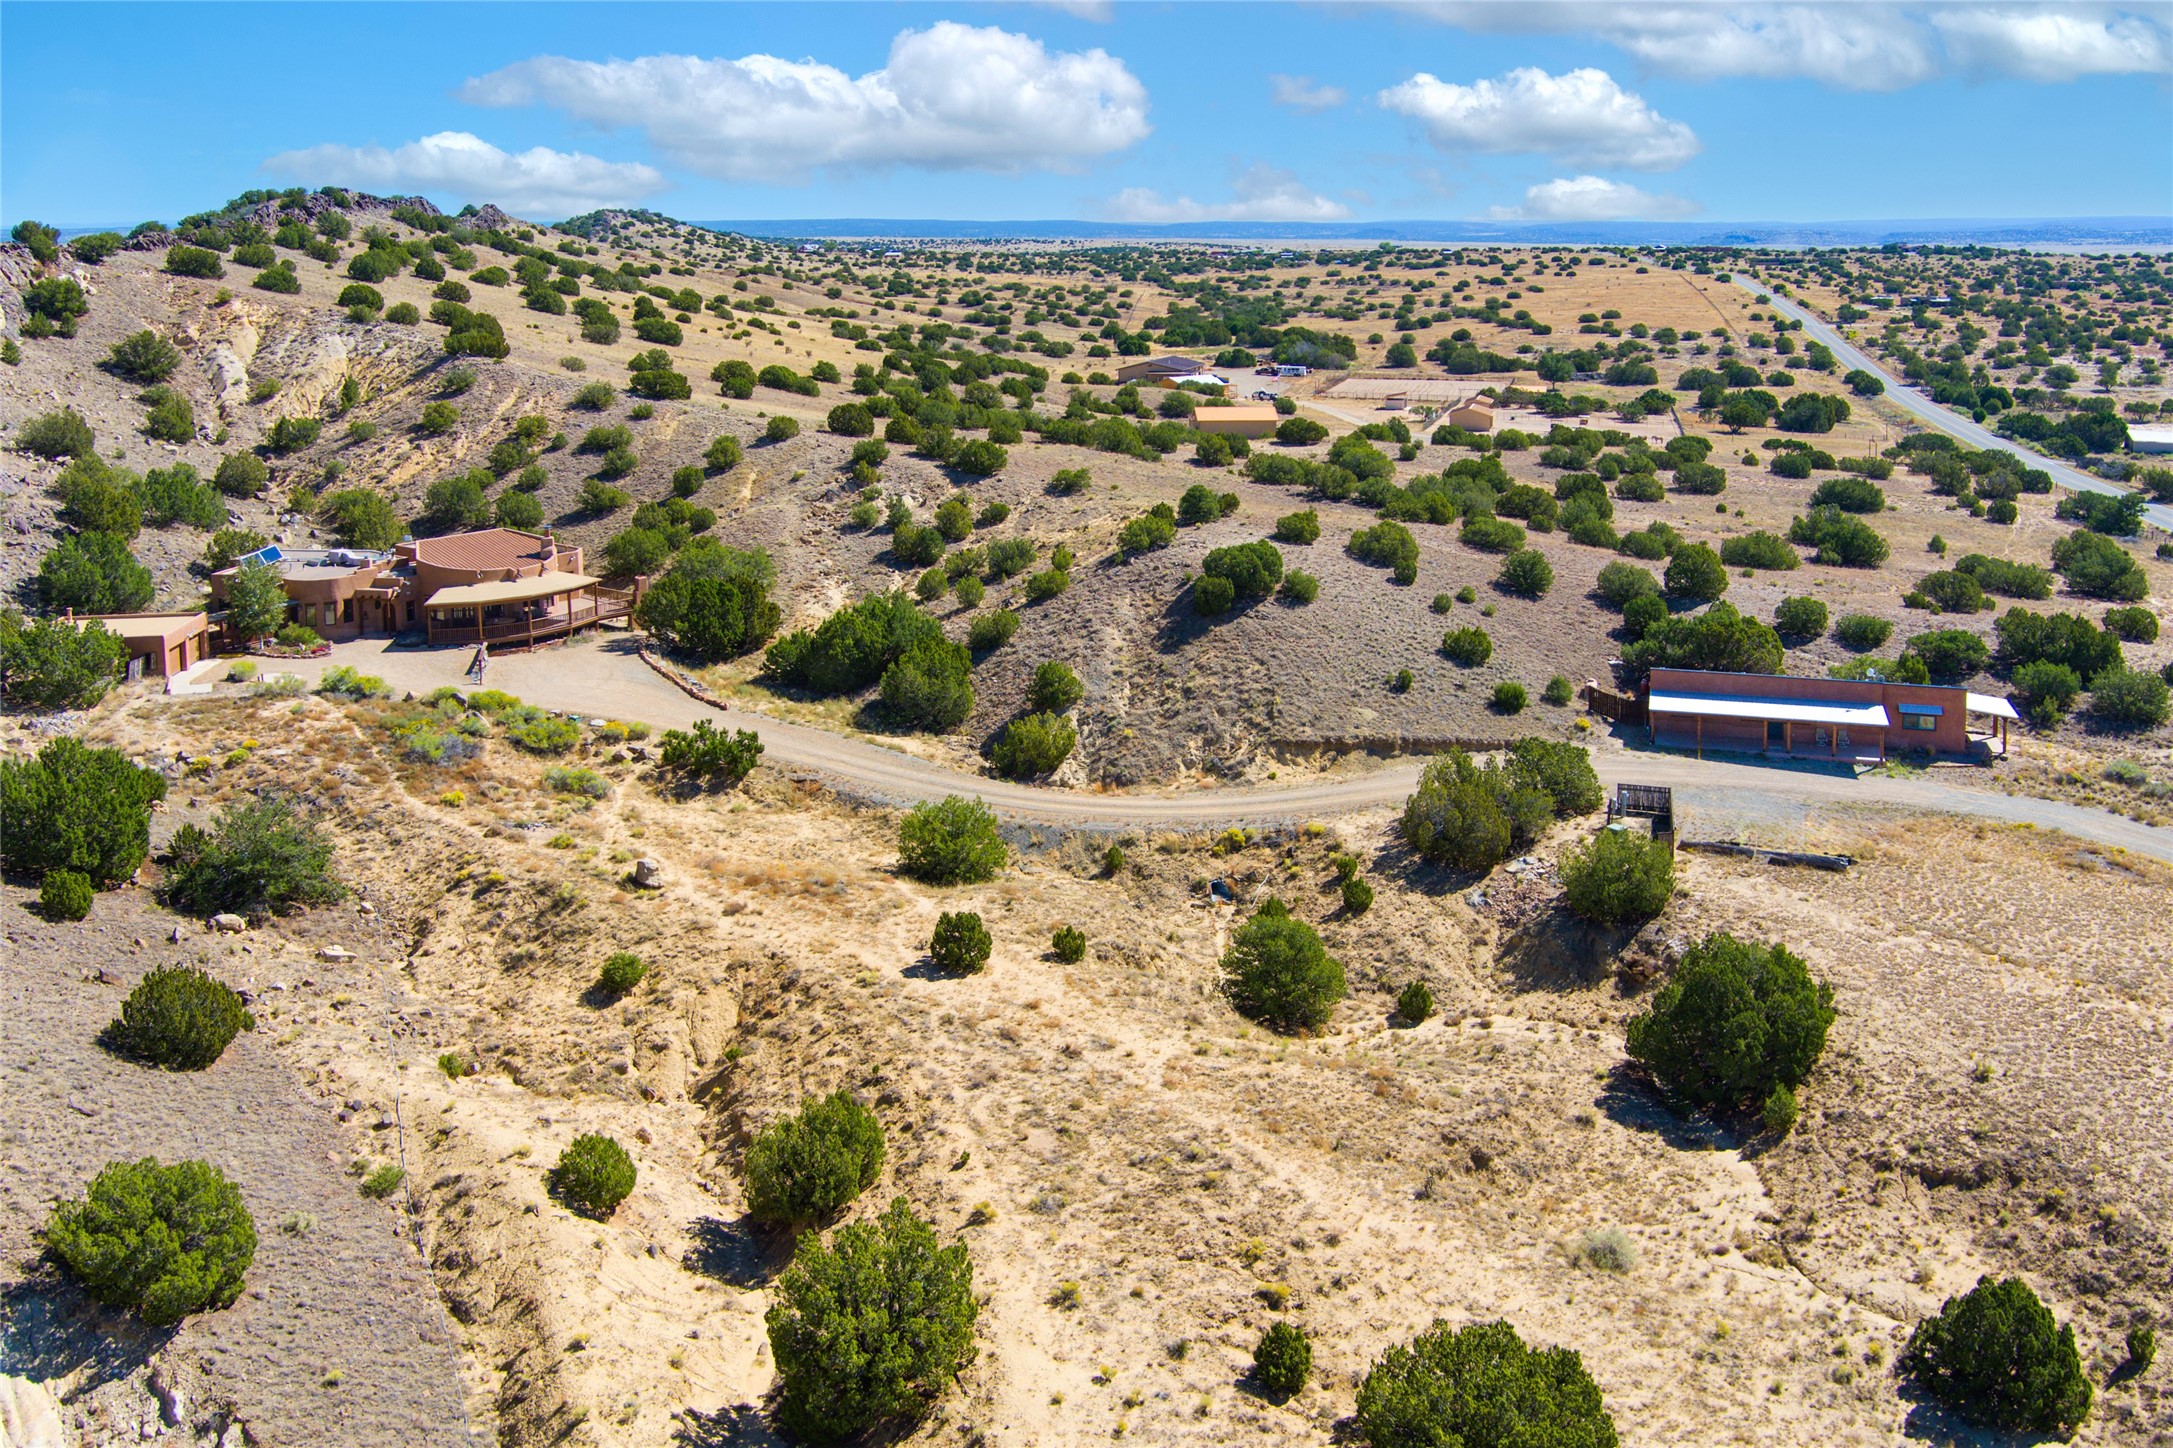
(1859, 721)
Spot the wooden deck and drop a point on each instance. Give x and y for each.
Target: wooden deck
(516, 626)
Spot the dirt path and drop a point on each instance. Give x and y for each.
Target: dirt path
(605, 678)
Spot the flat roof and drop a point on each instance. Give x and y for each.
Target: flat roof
(516, 590)
(1791, 711)
(1992, 704)
(166, 627)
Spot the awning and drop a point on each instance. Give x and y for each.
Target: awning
(1789, 711)
(517, 590)
(1992, 704)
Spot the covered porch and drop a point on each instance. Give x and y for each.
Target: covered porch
(1848, 732)
(522, 611)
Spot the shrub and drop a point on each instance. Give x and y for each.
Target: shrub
(2128, 699)
(930, 685)
(2064, 638)
(1055, 688)
(1481, 1385)
(1510, 697)
(194, 261)
(1840, 538)
(2142, 1345)
(992, 630)
(1298, 528)
(144, 357)
(534, 732)
(1618, 583)
(1953, 592)
(1047, 584)
(164, 1241)
(1490, 534)
(1213, 595)
(292, 434)
(1068, 945)
(1862, 632)
(76, 808)
(344, 682)
(953, 841)
(871, 1328)
(1390, 545)
(806, 1167)
(178, 1018)
(1618, 877)
(1415, 1003)
(1468, 647)
(1759, 550)
(1299, 587)
(1278, 973)
(1949, 655)
(593, 1175)
(960, 944)
(2045, 690)
(2136, 625)
(1802, 618)
(622, 971)
(62, 434)
(711, 753)
(1034, 745)
(1696, 573)
(714, 603)
(1737, 1019)
(1357, 897)
(1282, 1360)
(65, 895)
(260, 855)
(2097, 567)
(1995, 1356)
(240, 475)
(1850, 495)
(49, 664)
(1559, 691)
(1610, 1249)
(1299, 431)
(1526, 572)
(1780, 1111)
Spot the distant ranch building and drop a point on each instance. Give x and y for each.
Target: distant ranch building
(159, 645)
(1242, 419)
(1165, 371)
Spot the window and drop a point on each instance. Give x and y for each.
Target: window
(1924, 722)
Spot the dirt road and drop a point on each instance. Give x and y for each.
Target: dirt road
(605, 678)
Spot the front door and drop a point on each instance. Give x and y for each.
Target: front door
(1776, 734)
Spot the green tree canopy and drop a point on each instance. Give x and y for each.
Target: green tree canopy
(871, 1327)
(1277, 972)
(1737, 1019)
(804, 1167)
(73, 807)
(1995, 1356)
(1481, 1386)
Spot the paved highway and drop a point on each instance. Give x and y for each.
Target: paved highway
(1912, 400)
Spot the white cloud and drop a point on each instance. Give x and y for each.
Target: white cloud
(950, 97)
(1581, 117)
(1592, 198)
(1259, 193)
(1869, 45)
(2054, 44)
(538, 183)
(1300, 94)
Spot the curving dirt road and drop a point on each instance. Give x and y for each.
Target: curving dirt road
(604, 677)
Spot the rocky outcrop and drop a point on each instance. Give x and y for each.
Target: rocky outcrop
(317, 203)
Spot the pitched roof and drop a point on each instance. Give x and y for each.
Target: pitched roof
(487, 550)
(1182, 366)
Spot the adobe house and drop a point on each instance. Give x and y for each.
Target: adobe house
(1163, 370)
(1851, 720)
(494, 585)
(159, 644)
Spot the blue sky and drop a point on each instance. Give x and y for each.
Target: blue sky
(1099, 109)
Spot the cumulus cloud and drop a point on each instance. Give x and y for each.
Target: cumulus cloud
(537, 183)
(1858, 46)
(1300, 94)
(1259, 193)
(1581, 117)
(2054, 44)
(951, 97)
(1592, 198)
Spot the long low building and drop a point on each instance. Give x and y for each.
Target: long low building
(158, 644)
(1858, 721)
(1239, 419)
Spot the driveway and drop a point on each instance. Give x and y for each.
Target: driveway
(603, 677)
(1945, 419)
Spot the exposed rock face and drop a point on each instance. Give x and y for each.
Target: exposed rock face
(30, 1416)
(316, 204)
(490, 218)
(648, 874)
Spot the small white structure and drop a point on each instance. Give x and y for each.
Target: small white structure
(2150, 439)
